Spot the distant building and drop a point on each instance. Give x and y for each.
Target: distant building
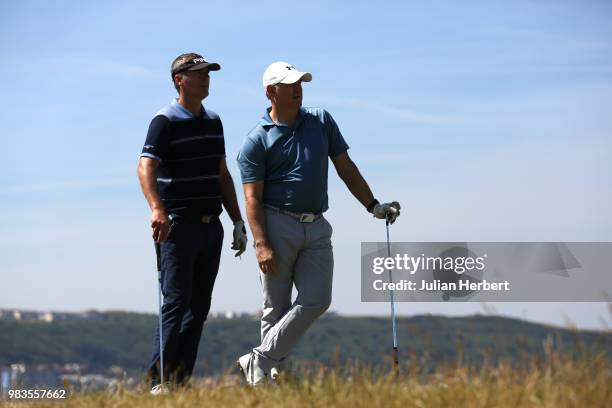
(46, 317)
(17, 372)
(52, 317)
(5, 381)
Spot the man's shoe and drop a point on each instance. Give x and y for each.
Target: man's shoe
(159, 389)
(253, 373)
(277, 372)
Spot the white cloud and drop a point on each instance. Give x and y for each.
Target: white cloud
(66, 185)
(391, 111)
(97, 65)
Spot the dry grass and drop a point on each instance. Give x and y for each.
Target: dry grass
(556, 382)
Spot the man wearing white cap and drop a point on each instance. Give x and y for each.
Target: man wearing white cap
(283, 163)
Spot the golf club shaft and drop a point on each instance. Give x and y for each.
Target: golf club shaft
(159, 302)
(395, 347)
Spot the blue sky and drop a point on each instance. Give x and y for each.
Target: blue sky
(487, 120)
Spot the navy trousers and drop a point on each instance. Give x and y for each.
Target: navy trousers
(189, 263)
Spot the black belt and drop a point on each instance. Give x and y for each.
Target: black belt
(204, 219)
(306, 217)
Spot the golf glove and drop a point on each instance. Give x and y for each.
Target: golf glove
(389, 211)
(240, 238)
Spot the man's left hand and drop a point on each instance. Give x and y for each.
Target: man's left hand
(240, 238)
(389, 211)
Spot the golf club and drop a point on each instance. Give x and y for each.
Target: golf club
(395, 349)
(159, 301)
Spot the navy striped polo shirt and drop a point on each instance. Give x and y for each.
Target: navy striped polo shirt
(189, 151)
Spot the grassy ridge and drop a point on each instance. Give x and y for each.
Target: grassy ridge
(125, 339)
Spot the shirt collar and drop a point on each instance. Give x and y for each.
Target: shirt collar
(184, 110)
(266, 120)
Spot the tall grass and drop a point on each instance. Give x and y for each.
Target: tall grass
(554, 381)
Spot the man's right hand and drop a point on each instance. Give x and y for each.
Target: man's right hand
(265, 258)
(160, 224)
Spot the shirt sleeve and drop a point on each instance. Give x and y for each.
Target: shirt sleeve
(251, 161)
(223, 139)
(158, 137)
(337, 144)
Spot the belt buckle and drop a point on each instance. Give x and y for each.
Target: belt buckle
(205, 219)
(307, 217)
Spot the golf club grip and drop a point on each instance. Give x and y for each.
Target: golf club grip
(158, 256)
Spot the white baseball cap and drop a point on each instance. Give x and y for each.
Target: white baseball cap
(282, 72)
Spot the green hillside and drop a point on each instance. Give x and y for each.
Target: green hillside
(125, 339)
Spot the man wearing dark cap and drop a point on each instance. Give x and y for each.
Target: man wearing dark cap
(184, 177)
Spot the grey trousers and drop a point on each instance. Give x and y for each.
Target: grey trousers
(304, 258)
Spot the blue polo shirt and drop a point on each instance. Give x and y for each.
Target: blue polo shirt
(189, 151)
(292, 161)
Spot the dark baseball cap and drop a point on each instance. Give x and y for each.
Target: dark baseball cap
(191, 62)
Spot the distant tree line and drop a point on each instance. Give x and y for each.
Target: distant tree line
(125, 339)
